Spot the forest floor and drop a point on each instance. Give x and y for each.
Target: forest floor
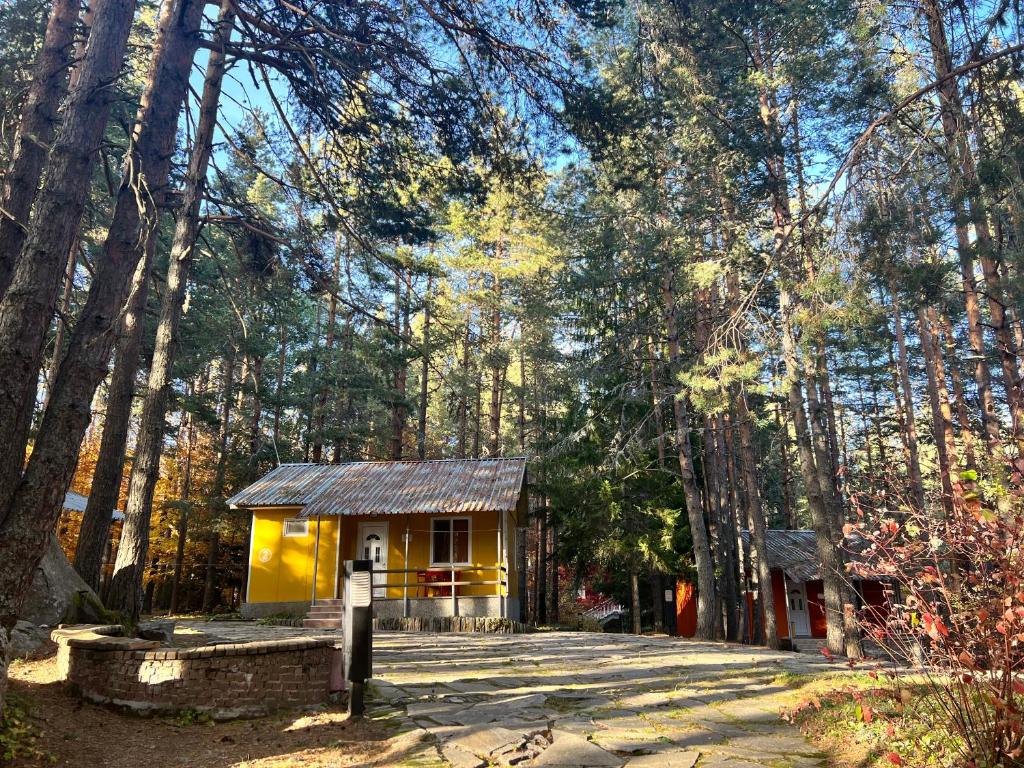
(547, 699)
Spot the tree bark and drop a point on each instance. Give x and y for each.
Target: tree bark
(910, 423)
(968, 208)
(756, 518)
(706, 591)
(105, 491)
(126, 583)
(39, 118)
(942, 414)
(320, 409)
(27, 305)
(421, 431)
(634, 595)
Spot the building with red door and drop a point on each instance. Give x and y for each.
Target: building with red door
(796, 586)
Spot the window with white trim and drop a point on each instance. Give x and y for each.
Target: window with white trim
(296, 527)
(450, 541)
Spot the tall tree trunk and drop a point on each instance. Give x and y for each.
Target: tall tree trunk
(959, 395)
(463, 425)
(968, 209)
(843, 635)
(184, 492)
(634, 601)
(755, 517)
(63, 313)
(216, 500)
(706, 592)
(421, 431)
(37, 502)
(541, 575)
(94, 536)
(126, 582)
(27, 305)
(910, 423)
(320, 408)
(398, 407)
(497, 368)
(553, 613)
(942, 414)
(35, 132)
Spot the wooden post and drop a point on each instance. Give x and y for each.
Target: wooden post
(405, 580)
(498, 587)
(316, 558)
(451, 565)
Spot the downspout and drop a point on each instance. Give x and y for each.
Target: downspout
(405, 580)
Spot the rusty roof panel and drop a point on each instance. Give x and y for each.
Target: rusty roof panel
(390, 487)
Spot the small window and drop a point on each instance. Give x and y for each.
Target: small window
(296, 527)
(449, 541)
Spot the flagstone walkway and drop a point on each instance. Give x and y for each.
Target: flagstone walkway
(579, 699)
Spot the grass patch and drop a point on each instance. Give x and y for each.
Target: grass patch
(868, 725)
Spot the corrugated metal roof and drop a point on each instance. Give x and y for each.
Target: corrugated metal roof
(76, 502)
(795, 552)
(390, 487)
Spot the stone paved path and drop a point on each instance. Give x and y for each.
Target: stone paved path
(580, 699)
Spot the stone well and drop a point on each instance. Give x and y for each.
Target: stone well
(224, 681)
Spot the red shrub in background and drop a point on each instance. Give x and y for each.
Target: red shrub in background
(958, 612)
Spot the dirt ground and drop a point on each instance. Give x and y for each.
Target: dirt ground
(72, 732)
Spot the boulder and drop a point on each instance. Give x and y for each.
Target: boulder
(157, 629)
(27, 638)
(58, 595)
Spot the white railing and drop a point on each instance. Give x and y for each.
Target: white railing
(604, 609)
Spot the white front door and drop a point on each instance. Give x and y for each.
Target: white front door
(799, 620)
(373, 538)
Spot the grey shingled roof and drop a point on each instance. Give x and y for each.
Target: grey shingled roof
(793, 552)
(390, 487)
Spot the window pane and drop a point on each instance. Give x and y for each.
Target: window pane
(461, 528)
(441, 533)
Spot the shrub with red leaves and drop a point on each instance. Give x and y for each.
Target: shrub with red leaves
(957, 594)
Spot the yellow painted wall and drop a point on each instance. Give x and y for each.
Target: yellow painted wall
(280, 568)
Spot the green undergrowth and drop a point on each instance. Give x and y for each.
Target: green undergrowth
(19, 737)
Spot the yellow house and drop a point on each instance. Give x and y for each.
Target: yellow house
(443, 537)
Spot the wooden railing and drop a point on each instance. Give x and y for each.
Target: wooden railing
(452, 584)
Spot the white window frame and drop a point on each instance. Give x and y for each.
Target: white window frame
(293, 521)
(469, 543)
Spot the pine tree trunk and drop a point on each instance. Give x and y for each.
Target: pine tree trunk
(105, 491)
(553, 613)
(320, 408)
(756, 518)
(497, 371)
(959, 395)
(634, 595)
(64, 312)
(942, 414)
(210, 579)
(126, 582)
(421, 431)
(842, 633)
(910, 424)
(39, 119)
(27, 305)
(541, 575)
(967, 209)
(463, 426)
(706, 592)
(37, 502)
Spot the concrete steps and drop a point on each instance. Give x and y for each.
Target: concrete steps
(326, 614)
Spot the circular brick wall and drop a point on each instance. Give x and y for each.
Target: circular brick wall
(224, 681)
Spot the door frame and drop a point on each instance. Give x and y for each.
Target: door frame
(805, 629)
(379, 588)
